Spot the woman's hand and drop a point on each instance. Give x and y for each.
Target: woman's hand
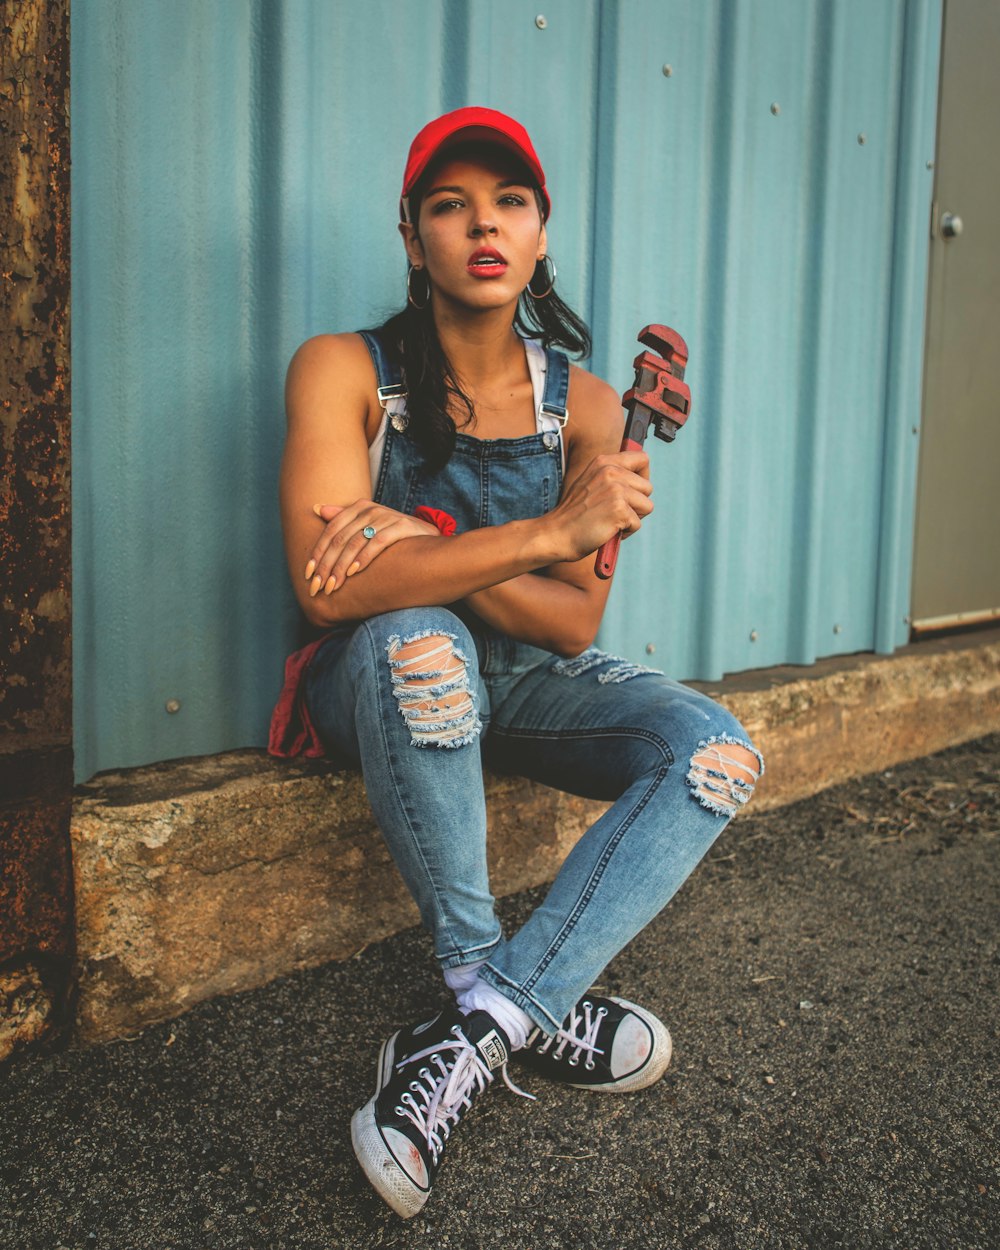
(343, 548)
(611, 495)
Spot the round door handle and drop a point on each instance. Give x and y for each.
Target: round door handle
(951, 225)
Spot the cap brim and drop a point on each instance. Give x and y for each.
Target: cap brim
(477, 133)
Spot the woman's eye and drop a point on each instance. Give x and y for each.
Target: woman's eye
(511, 198)
(445, 205)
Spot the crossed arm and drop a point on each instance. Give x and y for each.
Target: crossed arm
(532, 579)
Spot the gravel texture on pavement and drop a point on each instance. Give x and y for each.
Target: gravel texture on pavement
(829, 975)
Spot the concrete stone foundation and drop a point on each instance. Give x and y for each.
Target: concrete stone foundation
(210, 875)
(207, 876)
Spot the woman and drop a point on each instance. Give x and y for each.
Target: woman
(446, 648)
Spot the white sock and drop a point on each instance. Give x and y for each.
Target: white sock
(481, 996)
(472, 994)
(464, 977)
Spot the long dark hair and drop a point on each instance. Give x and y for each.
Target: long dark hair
(411, 340)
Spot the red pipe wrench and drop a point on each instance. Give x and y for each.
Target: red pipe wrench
(659, 394)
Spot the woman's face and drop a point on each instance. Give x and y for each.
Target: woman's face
(479, 233)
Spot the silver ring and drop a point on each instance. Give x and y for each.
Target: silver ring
(369, 531)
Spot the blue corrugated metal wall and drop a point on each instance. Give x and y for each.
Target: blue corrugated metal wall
(236, 167)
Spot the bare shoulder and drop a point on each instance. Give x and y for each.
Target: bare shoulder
(595, 412)
(331, 350)
(330, 369)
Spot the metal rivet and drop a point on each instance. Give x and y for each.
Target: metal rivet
(930, 164)
(173, 705)
(753, 635)
(541, 21)
(550, 439)
(776, 108)
(862, 139)
(650, 648)
(838, 629)
(668, 71)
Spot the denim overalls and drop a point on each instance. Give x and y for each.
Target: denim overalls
(596, 725)
(486, 482)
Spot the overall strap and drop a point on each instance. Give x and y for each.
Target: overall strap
(391, 391)
(553, 403)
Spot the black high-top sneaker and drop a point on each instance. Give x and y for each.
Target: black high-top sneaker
(428, 1076)
(604, 1044)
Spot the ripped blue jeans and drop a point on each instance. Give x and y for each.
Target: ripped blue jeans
(420, 702)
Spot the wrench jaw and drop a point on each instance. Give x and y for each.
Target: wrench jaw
(666, 429)
(660, 389)
(668, 344)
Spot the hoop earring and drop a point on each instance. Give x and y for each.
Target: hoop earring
(545, 264)
(409, 289)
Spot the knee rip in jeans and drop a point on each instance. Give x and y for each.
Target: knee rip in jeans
(723, 773)
(431, 684)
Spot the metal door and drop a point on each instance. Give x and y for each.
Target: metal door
(956, 578)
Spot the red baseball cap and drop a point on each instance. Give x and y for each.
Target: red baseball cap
(476, 124)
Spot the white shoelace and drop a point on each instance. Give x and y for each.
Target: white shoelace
(579, 1041)
(444, 1094)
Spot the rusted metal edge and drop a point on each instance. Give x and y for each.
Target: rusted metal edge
(36, 900)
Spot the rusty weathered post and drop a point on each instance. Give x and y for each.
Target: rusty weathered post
(35, 674)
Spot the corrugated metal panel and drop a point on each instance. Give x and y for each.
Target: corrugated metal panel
(778, 241)
(235, 174)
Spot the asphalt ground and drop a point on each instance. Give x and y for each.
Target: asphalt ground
(829, 975)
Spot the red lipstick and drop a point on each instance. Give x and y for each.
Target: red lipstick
(486, 262)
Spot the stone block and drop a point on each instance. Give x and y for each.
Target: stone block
(212, 875)
(854, 715)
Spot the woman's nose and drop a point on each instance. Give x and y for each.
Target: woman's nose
(483, 225)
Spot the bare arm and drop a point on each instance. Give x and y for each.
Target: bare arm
(329, 395)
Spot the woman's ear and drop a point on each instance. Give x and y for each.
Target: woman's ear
(543, 244)
(411, 241)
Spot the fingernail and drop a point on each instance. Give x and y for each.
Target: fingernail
(330, 585)
(316, 508)
(314, 586)
(310, 569)
(353, 569)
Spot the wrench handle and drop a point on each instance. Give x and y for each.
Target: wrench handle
(607, 553)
